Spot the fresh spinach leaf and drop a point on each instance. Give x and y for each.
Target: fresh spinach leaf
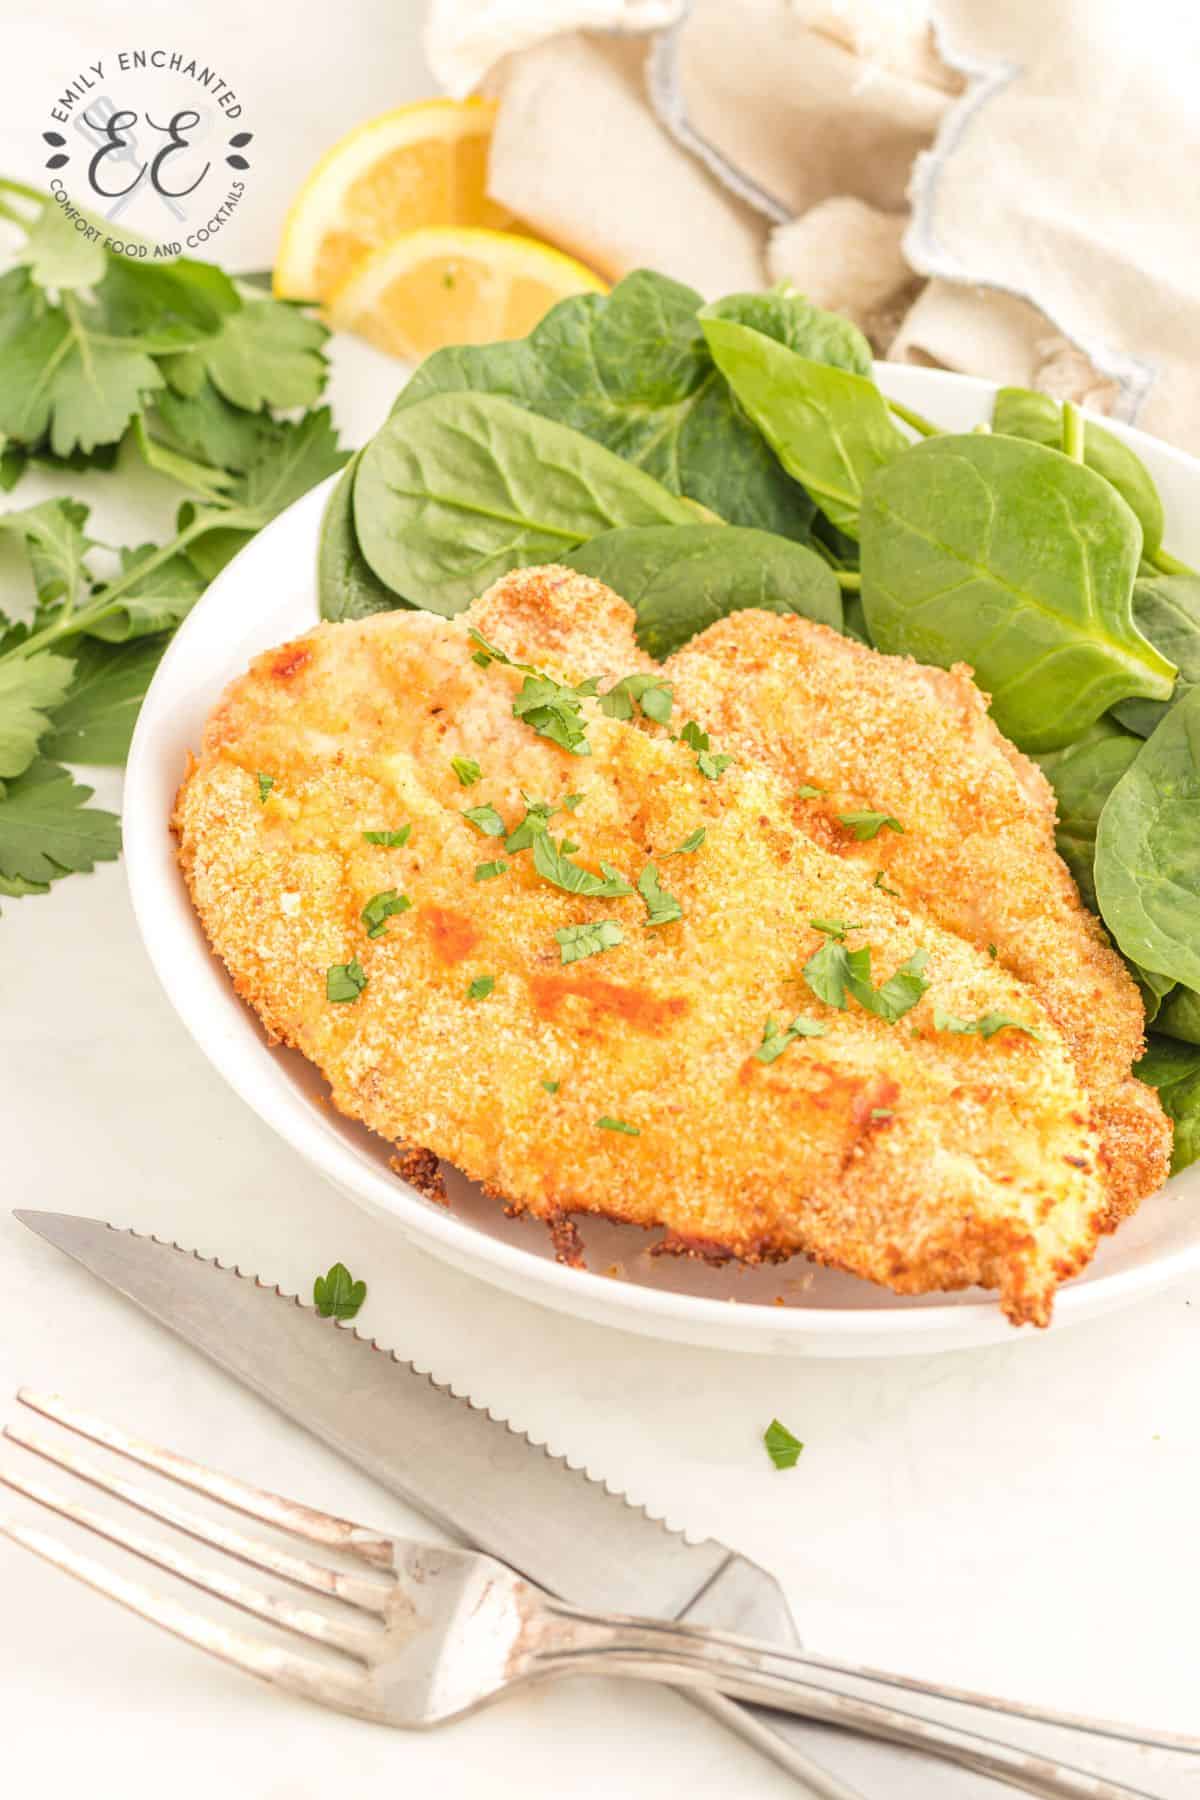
(1148, 851)
(830, 428)
(1174, 1069)
(347, 586)
(1083, 775)
(455, 491)
(681, 578)
(1166, 609)
(786, 316)
(632, 370)
(1021, 413)
(1179, 1015)
(1017, 560)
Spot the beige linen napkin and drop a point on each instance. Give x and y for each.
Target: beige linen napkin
(1045, 147)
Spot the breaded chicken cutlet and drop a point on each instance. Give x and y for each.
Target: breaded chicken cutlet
(940, 1099)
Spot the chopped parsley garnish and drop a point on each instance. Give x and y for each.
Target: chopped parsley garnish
(693, 736)
(485, 819)
(488, 871)
(776, 1038)
(344, 981)
(868, 824)
(711, 765)
(537, 813)
(554, 711)
(481, 987)
(571, 801)
(986, 1027)
(806, 791)
(881, 1112)
(382, 907)
(883, 887)
(467, 770)
(392, 840)
(337, 1295)
(782, 1448)
(607, 1124)
(552, 864)
(689, 843)
(834, 928)
(552, 1087)
(265, 784)
(993, 952)
(662, 908)
(651, 693)
(568, 847)
(578, 941)
(835, 972)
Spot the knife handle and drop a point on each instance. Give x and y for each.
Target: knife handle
(691, 1656)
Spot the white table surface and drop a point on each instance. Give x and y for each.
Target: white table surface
(1022, 1518)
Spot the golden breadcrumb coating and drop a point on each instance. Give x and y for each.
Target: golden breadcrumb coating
(912, 1156)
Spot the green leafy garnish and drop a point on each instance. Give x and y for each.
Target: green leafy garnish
(834, 928)
(607, 1124)
(554, 711)
(992, 952)
(392, 840)
(883, 887)
(536, 815)
(481, 987)
(776, 1038)
(806, 791)
(487, 871)
(661, 908)
(382, 907)
(782, 1448)
(551, 1087)
(693, 736)
(467, 770)
(47, 830)
(690, 843)
(552, 864)
(578, 941)
(344, 981)
(711, 765)
(337, 1295)
(866, 825)
(651, 693)
(985, 1027)
(485, 819)
(835, 973)
(265, 784)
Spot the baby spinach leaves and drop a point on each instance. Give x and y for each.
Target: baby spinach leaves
(1148, 851)
(1167, 609)
(1083, 775)
(455, 491)
(679, 579)
(1020, 562)
(830, 428)
(347, 585)
(1174, 1069)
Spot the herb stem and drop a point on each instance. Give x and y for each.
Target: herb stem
(850, 579)
(1167, 564)
(918, 422)
(1073, 430)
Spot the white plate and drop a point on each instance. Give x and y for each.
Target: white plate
(267, 595)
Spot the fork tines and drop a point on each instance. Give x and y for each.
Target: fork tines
(366, 1594)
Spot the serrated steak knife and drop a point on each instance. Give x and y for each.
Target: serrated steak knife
(470, 1472)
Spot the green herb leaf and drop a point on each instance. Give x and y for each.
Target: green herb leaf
(452, 493)
(650, 693)
(776, 1038)
(536, 814)
(467, 770)
(692, 842)
(866, 825)
(553, 865)
(391, 840)
(693, 736)
(268, 353)
(661, 908)
(265, 784)
(782, 1448)
(57, 544)
(578, 941)
(834, 928)
(807, 792)
(95, 721)
(1020, 562)
(485, 819)
(883, 887)
(481, 987)
(607, 1124)
(337, 1295)
(382, 907)
(30, 687)
(487, 871)
(47, 830)
(344, 981)
(553, 711)
(834, 972)
(711, 765)
(985, 1027)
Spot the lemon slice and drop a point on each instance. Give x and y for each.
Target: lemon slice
(424, 164)
(454, 286)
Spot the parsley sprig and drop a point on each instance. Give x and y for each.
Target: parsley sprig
(835, 973)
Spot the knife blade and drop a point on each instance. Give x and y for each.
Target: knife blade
(472, 1473)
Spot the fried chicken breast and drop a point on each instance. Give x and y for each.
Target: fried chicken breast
(633, 1081)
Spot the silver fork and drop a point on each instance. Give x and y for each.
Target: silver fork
(426, 1634)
